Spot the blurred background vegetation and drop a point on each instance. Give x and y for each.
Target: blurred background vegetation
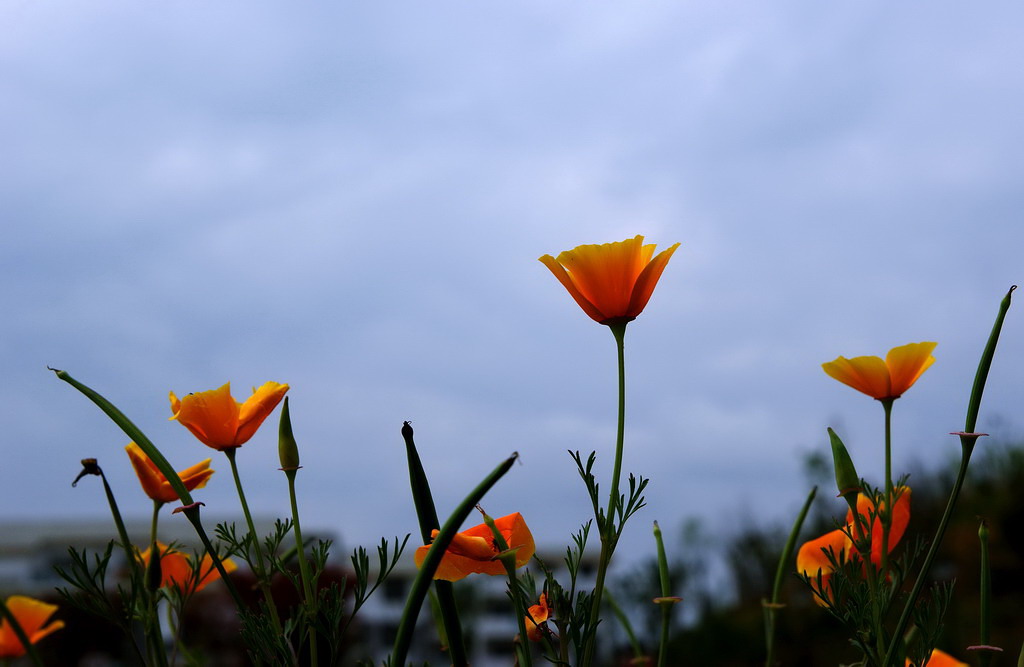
(720, 622)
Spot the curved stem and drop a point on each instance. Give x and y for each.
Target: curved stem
(967, 444)
(261, 572)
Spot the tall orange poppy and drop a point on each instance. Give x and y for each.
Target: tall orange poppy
(812, 559)
(884, 380)
(178, 570)
(156, 485)
(221, 422)
(473, 551)
(611, 282)
(32, 615)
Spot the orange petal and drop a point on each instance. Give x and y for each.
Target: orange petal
(610, 281)
(32, 615)
(869, 375)
(906, 364)
(536, 615)
(811, 558)
(473, 551)
(940, 659)
(648, 280)
(570, 286)
(212, 416)
(257, 408)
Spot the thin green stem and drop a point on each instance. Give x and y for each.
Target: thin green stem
(421, 584)
(638, 651)
(666, 601)
(508, 559)
(307, 588)
(985, 589)
(260, 565)
(886, 514)
(967, 445)
(607, 527)
(780, 571)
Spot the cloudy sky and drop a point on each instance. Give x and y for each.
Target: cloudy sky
(352, 197)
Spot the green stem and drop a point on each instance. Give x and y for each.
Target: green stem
(780, 571)
(985, 588)
(666, 602)
(638, 652)
(421, 584)
(508, 559)
(307, 588)
(260, 565)
(886, 514)
(967, 445)
(426, 512)
(607, 526)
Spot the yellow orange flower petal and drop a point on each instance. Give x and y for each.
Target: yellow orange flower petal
(219, 421)
(940, 659)
(884, 380)
(611, 282)
(473, 551)
(812, 559)
(536, 615)
(156, 485)
(32, 615)
(178, 571)
(900, 520)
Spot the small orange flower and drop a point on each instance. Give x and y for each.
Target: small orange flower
(156, 485)
(884, 380)
(177, 570)
(535, 616)
(32, 616)
(940, 659)
(611, 282)
(811, 558)
(473, 551)
(219, 421)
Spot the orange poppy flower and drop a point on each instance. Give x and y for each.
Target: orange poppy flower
(811, 558)
(536, 615)
(473, 551)
(178, 571)
(611, 282)
(884, 380)
(156, 485)
(940, 659)
(221, 422)
(32, 616)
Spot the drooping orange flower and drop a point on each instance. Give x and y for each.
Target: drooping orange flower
(473, 551)
(611, 282)
(536, 615)
(884, 380)
(178, 570)
(32, 615)
(940, 659)
(156, 485)
(221, 422)
(812, 559)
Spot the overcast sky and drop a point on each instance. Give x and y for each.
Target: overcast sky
(351, 197)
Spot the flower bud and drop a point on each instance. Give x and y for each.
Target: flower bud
(847, 480)
(287, 449)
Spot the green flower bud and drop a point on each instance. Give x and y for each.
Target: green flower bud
(287, 449)
(847, 480)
